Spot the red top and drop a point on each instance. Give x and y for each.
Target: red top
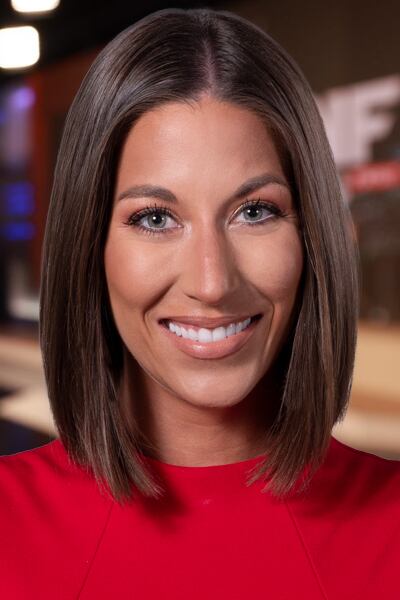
(212, 538)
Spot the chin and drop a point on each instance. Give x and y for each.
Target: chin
(204, 396)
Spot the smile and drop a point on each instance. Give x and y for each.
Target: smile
(210, 343)
(206, 335)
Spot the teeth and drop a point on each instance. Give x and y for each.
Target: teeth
(204, 335)
(208, 335)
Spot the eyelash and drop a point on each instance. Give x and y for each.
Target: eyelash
(134, 219)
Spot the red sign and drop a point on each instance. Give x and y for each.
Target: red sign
(373, 177)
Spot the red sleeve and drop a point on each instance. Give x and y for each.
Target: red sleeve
(51, 519)
(349, 521)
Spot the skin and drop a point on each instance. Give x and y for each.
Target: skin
(210, 262)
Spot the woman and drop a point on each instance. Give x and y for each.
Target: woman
(198, 328)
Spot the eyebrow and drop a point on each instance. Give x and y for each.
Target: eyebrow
(155, 191)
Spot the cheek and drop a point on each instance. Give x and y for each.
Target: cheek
(136, 273)
(277, 271)
(131, 270)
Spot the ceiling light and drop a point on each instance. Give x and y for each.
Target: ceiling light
(19, 47)
(31, 6)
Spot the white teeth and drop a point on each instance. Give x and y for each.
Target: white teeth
(208, 335)
(192, 334)
(231, 329)
(218, 334)
(204, 335)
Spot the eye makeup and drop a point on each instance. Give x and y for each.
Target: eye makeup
(135, 219)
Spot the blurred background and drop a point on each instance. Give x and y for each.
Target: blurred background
(348, 49)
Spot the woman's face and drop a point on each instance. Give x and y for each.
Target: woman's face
(190, 250)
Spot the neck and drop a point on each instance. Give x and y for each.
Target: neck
(176, 432)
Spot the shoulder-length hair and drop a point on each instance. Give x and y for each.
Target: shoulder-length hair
(177, 55)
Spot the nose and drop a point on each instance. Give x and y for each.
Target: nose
(210, 272)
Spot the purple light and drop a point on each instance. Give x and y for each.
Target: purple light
(17, 231)
(18, 198)
(22, 98)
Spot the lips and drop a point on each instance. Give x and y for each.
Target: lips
(211, 350)
(209, 323)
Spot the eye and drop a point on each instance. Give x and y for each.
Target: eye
(253, 211)
(151, 220)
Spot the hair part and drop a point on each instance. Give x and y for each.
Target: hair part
(178, 55)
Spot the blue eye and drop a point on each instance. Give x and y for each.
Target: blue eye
(151, 219)
(155, 216)
(254, 208)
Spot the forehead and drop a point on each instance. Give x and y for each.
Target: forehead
(208, 144)
(205, 116)
(206, 123)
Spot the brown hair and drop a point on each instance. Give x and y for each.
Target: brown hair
(178, 55)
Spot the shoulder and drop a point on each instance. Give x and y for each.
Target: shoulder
(41, 461)
(46, 478)
(353, 481)
(47, 467)
(45, 500)
(352, 500)
(355, 469)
